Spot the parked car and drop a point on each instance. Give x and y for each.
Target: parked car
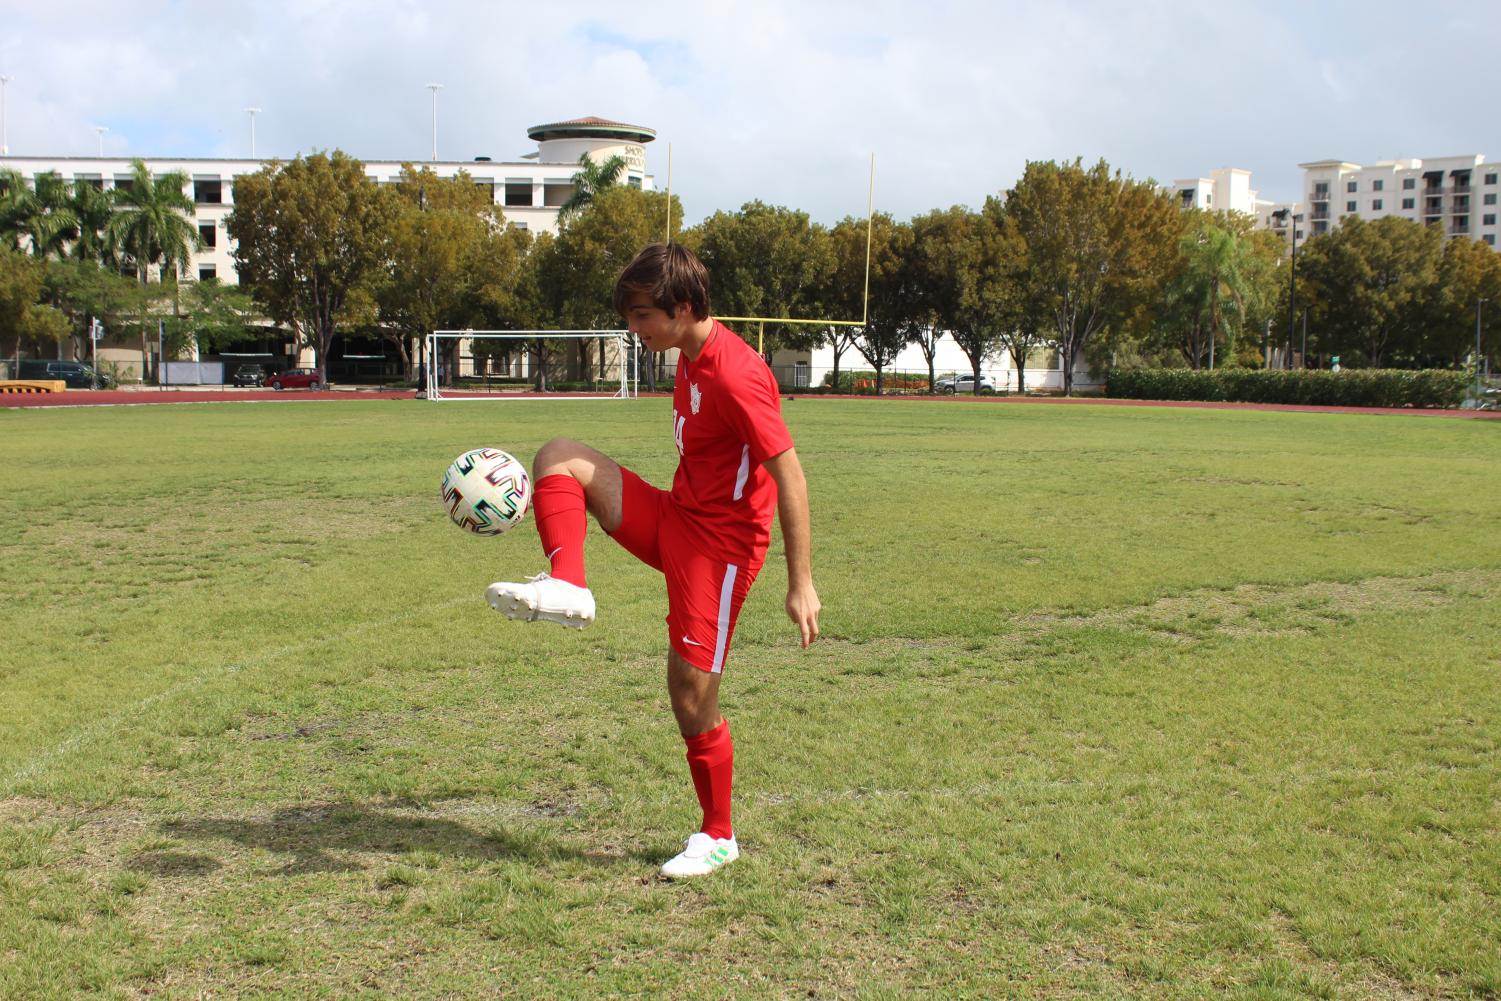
(74, 374)
(952, 384)
(295, 378)
(250, 375)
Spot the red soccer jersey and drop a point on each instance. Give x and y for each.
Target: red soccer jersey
(727, 421)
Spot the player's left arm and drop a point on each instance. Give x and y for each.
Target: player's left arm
(797, 537)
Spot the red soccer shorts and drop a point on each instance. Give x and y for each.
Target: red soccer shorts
(704, 593)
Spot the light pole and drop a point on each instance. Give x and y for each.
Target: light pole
(1303, 361)
(4, 132)
(101, 129)
(1290, 218)
(1478, 304)
(252, 112)
(435, 87)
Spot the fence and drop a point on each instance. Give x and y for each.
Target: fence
(908, 381)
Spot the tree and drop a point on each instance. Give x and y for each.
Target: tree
(1468, 272)
(40, 212)
(213, 316)
(575, 273)
(153, 225)
(1370, 284)
(93, 209)
(438, 235)
(842, 295)
(1215, 287)
(996, 312)
(83, 290)
(313, 239)
(594, 178)
(888, 327)
(22, 314)
(1099, 246)
(766, 260)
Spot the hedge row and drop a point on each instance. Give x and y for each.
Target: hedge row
(1357, 388)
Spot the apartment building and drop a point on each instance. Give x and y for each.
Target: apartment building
(1457, 194)
(1226, 189)
(530, 189)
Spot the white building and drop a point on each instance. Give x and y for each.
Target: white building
(530, 190)
(1457, 194)
(1226, 189)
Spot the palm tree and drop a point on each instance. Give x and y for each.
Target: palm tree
(153, 224)
(1215, 273)
(593, 179)
(39, 211)
(93, 209)
(153, 221)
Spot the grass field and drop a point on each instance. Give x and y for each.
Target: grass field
(1110, 703)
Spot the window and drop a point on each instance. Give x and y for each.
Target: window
(207, 272)
(1376, 205)
(1349, 206)
(1489, 219)
(519, 225)
(124, 184)
(1490, 239)
(1320, 226)
(635, 182)
(1409, 203)
(1352, 187)
(555, 194)
(209, 234)
(519, 193)
(1409, 183)
(1377, 185)
(1490, 199)
(1299, 236)
(208, 191)
(1490, 178)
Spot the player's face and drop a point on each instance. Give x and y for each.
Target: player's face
(658, 329)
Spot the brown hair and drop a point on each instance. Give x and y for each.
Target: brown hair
(670, 274)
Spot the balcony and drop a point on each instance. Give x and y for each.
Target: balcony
(1461, 204)
(1322, 212)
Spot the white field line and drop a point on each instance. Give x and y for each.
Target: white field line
(107, 725)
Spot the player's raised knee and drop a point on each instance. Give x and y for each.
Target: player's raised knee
(555, 455)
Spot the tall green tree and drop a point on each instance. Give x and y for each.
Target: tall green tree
(93, 209)
(1218, 284)
(84, 290)
(593, 178)
(1370, 285)
(39, 212)
(438, 237)
(766, 260)
(1099, 248)
(313, 240)
(999, 311)
(153, 226)
(842, 295)
(1468, 272)
(945, 263)
(888, 327)
(212, 316)
(23, 315)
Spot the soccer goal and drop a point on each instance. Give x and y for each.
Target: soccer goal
(530, 365)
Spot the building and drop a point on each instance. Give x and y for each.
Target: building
(1226, 189)
(530, 191)
(1457, 194)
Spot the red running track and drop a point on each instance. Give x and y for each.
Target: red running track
(87, 398)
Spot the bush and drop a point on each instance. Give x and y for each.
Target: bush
(1359, 388)
(863, 383)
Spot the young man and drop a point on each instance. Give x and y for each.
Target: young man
(708, 535)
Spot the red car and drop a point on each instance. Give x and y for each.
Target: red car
(295, 378)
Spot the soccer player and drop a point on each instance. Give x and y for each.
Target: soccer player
(708, 535)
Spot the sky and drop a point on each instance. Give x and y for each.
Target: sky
(781, 100)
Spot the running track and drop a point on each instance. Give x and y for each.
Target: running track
(87, 398)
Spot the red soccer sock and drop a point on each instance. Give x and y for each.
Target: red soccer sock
(711, 759)
(562, 521)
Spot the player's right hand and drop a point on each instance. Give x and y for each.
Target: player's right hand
(803, 608)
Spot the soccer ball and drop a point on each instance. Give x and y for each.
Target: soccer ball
(487, 491)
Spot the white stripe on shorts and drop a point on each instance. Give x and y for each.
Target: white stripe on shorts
(726, 603)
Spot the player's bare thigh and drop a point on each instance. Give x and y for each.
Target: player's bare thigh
(596, 472)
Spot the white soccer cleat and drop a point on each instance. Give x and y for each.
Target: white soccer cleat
(543, 597)
(702, 856)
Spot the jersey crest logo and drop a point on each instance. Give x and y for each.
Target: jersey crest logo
(695, 398)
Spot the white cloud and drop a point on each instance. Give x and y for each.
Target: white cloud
(779, 100)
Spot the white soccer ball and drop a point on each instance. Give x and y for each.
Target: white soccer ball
(487, 491)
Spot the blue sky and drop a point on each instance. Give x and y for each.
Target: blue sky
(777, 100)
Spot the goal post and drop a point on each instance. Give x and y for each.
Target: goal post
(504, 364)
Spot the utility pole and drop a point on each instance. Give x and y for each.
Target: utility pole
(101, 129)
(435, 87)
(252, 112)
(1478, 304)
(4, 131)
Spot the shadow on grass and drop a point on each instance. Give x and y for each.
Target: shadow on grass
(321, 838)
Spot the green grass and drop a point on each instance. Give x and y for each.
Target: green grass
(1111, 702)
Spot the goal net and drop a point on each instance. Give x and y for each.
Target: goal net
(530, 365)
